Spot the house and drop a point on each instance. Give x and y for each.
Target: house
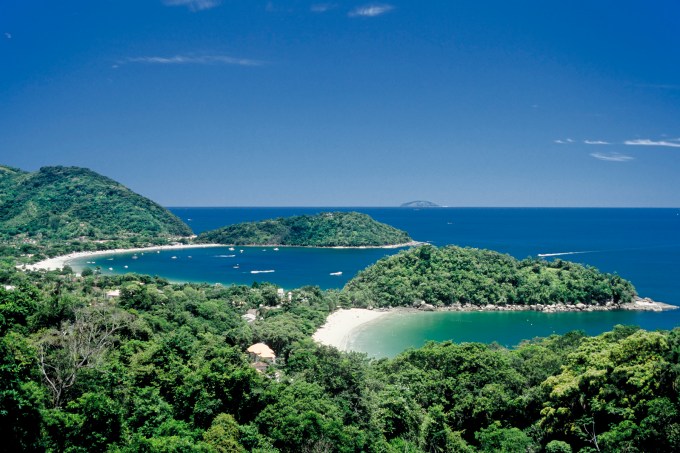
(10, 288)
(262, 356)
(113, 293)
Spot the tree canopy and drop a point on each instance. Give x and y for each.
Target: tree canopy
(327, 229)
(449, 275)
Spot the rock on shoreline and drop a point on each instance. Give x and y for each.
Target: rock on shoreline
(640, 304)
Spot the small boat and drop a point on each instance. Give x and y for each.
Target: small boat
(276, 249)
(241, 250)
(110, 268)
(109, 259)
(237, 267)
(134, 257)
(125, 266)
(174, 258)
(336, 273)
(231, 249)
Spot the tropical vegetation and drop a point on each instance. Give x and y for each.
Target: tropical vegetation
(57, 210)
(162, 367)
(454, 275)
(327, 229)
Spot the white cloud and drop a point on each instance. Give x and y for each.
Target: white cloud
(193, 5)
(8, 35)
(564, 142)
(322, 7)
(371, 10)
(596, 142)
(191, 59)
(647, 142)
(612, 157)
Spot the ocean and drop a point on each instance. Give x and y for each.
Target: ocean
(642, 245)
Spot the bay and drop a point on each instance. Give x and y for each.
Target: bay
(642, 245)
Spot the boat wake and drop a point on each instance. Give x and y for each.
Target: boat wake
(225, 256)
(262, 272)
(542, 255)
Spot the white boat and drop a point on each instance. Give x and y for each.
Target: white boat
(110, 268)
(336, 273)
(174, 258)
(276, 249)
(231, 249)
(134, 257)
(125, 266)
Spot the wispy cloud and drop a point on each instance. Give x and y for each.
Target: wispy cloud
(563, 142)
(371, 10)
(647, 142)
(322, 7)
(193, 5)
(612, 157)
(596, 142)
(193, 59)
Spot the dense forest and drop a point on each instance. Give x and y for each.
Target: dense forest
(134, 363)
(454, 275)
(163, 367)
(327, 229)
(61, 209)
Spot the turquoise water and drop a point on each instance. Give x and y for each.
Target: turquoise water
(642, 245)
(389, 335)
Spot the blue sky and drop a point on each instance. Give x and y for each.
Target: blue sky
(275, 103)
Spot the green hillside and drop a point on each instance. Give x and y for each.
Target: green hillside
(71, 203)
(450, 275)
(328, 229)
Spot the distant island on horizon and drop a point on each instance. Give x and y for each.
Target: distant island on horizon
(419, 204)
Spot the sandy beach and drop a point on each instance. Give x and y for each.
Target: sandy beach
(59, 262)
(340, 324)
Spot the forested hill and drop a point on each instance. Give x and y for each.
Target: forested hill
(450, 275)
(63, 203)
(328, 229)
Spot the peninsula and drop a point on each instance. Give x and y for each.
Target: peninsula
(466, 278)
(327, 229)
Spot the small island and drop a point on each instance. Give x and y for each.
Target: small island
(420, 204)
(327, 229)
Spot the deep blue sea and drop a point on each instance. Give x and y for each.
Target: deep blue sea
(642, 245)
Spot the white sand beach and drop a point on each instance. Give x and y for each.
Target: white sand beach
(59, 262)
(339, 326)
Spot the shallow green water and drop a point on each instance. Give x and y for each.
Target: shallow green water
(391, 334)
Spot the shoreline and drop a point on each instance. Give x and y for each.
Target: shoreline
(389, 246)
(340, 325)
(59, 262)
